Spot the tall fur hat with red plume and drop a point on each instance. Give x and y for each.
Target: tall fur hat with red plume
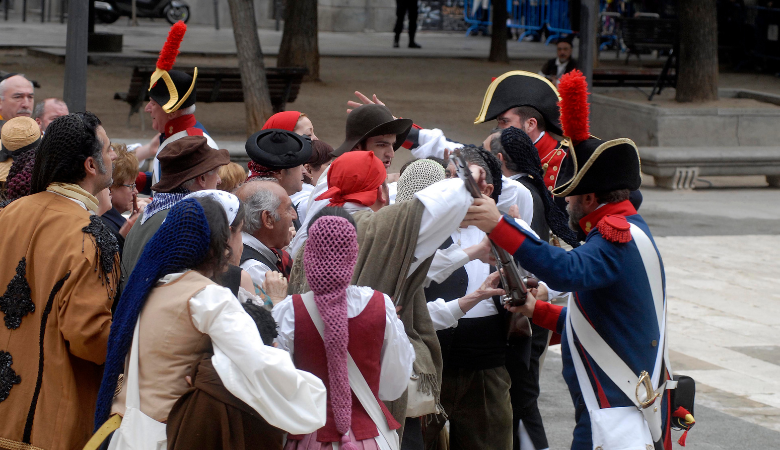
(575, 110)
(172, 89)
(170, 50)
(599, 166)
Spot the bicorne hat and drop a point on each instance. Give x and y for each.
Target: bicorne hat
(599, 166)
(278, 149)
(520, 88)
(172, 89)
(373, 120)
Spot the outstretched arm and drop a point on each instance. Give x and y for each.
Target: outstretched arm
(587, 267)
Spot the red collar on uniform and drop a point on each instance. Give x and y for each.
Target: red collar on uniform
(180, 123)
(551, 155)
(545, 145)
(624, 208)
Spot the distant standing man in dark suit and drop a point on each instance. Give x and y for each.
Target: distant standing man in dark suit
(556, 67)
(401, 8)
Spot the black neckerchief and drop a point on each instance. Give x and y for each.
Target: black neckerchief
(5, 153)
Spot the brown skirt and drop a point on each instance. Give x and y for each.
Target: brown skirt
(208, 416)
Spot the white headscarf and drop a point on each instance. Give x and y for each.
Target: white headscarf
(228, 201)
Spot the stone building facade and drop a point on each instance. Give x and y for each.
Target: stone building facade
(333, 15)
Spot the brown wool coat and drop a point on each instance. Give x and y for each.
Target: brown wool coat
(209, 416)
(46, 230)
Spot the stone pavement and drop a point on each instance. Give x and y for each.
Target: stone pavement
(204, 40)
(718, 246)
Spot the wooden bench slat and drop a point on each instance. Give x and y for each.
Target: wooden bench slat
(220, 84)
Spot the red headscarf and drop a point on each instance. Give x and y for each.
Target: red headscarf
(285, 120)
(354, 177)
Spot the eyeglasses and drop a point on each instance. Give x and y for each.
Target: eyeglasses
(131, 186)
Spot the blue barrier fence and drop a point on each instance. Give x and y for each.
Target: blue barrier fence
(476, 13)
(531, 16)
(528, 15)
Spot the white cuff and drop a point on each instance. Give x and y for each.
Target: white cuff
(454, 307)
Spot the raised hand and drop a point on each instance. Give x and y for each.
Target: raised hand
(363, 101)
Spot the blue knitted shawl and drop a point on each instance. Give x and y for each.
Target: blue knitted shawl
(181, 243)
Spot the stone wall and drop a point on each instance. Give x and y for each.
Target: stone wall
(687, 126)
(333, 15)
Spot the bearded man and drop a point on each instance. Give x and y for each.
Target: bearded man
(59, 276)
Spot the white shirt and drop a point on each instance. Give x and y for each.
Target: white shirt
(397, 352)
(312, 208)
(392, 191)
(446, 313)
(253, 267)
(434, 143)
(515, 193)
(301, 200)
(560, 67)
(445, 202)
(262, 376)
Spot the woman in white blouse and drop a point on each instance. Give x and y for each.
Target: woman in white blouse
(182, 314)
(321, 328)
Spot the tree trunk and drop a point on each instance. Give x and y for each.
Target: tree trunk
(498, 50)
(697, 80)
(257, 100)
(299, 40)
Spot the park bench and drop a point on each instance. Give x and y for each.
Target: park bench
(640, 35)
(678, 168)
(644, 77)
(218, 84)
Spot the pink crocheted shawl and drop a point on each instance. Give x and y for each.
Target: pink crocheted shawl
(329, 261)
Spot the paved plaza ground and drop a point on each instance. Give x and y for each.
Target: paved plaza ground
(719, 242)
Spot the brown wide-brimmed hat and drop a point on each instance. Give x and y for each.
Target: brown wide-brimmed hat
(185, 159)
(373, 120)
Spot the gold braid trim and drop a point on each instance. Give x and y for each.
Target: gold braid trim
(8, 444)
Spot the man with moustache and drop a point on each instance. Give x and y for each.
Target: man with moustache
(58, 278)
(17, 96)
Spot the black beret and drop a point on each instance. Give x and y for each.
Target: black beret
(278, 149)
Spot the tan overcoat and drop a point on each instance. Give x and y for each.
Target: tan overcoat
(60, 266)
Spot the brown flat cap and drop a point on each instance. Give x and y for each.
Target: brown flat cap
(185, 159)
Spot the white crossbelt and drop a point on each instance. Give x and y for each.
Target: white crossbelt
(606, 358)
(387, 439)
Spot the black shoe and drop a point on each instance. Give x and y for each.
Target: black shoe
(395, 44)
(414, 45)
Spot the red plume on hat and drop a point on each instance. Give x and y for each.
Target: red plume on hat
(573, 88)
(171, 48)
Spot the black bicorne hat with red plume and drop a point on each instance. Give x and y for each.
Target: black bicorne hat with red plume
(172, 89)
(599, 166)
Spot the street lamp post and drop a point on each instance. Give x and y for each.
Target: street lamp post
(75, 92)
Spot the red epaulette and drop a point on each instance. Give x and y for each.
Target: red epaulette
(615, 229)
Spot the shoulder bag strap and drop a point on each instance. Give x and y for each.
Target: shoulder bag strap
(358, 384)
(582, 376)
(133, 398)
